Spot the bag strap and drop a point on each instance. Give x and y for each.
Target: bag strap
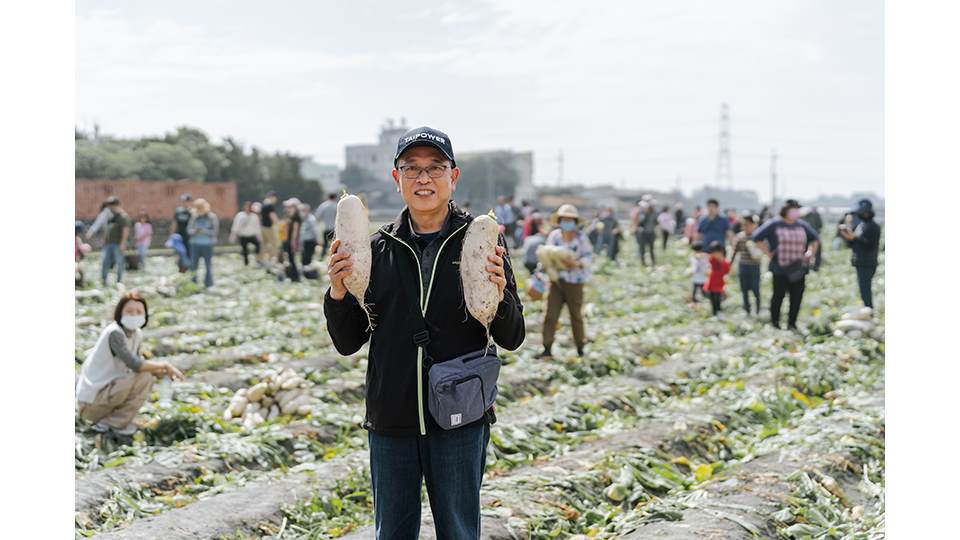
(421, 333)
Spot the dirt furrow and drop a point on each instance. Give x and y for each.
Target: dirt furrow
(240, 509)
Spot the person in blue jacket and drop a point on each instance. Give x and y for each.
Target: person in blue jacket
(714, 227)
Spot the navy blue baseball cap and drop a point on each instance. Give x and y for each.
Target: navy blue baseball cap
(425, 136)
(863, 205)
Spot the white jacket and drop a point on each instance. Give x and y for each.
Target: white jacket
(246, 224)
(101, 367)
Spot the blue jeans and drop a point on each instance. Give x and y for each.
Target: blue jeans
(112, 254)
(451, 463)
(205, 252)
(865, 281)
(750, 283)
(142, 251)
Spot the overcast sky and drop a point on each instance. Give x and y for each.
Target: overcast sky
(630, 91)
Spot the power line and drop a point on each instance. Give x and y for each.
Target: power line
(560, 168)
(773, 178)
(724, 168)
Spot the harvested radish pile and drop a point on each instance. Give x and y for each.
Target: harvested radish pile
(857, 322)
(673, 425)
(278, 393)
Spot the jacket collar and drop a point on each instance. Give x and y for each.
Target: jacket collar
(401, 227)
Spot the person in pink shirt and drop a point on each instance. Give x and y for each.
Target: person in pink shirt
(690, 230)
(142, 236)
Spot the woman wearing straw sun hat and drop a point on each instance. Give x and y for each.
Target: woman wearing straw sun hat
(568, 287)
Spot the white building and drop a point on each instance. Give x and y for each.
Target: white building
(327, 175)
(377, 159)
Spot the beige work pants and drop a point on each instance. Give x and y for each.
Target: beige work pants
(117, 403)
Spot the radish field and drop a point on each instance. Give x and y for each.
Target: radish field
(673, 425)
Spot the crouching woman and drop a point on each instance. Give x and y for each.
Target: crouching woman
(115, 380)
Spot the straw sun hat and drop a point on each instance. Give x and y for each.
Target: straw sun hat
(565, 211)
(202, 206)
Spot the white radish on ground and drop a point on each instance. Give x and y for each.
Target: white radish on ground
(265, 401)
(481, 295)
(352, 228)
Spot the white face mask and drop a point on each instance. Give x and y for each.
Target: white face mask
(132, 322)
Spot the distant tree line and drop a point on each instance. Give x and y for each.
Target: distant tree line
(188, 154)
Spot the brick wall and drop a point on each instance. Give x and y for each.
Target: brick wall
(157, 197)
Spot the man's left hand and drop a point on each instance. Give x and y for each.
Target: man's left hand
(496, 271)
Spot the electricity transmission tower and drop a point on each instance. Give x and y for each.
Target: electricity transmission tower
(724, 169)
(773, 178)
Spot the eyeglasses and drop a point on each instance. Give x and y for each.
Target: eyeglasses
(433, 171)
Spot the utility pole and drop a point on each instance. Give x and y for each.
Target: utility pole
(773, 179)
(491, 191)
(724, 168)
(560, 168)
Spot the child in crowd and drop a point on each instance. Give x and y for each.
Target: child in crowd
(750, 258)
(143, 236)
(698, 269)
(175, 242)
(719, 267)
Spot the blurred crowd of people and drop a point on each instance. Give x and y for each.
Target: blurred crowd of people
(721, 243)
(285, 237)
(282, 238)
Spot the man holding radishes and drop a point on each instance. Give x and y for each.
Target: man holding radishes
(418, 328)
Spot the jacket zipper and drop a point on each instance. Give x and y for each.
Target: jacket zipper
(423, 308)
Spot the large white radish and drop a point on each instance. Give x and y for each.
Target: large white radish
(481, 294)
(352, 228)
(555, 259)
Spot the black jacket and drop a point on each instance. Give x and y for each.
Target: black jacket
(391, 384)
(815, 221)
(866, 244)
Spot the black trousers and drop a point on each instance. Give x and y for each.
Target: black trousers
(865, 281)
(666, 236)
(244, 242)
(647, 240)
(309, 247)
(697, 287)
(327, 240)
(715, 299)
(292, 271)
(782, 286)
(614, 249)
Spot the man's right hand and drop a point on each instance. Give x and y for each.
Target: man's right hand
(339, 267)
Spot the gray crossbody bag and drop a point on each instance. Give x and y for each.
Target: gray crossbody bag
(459, 390)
